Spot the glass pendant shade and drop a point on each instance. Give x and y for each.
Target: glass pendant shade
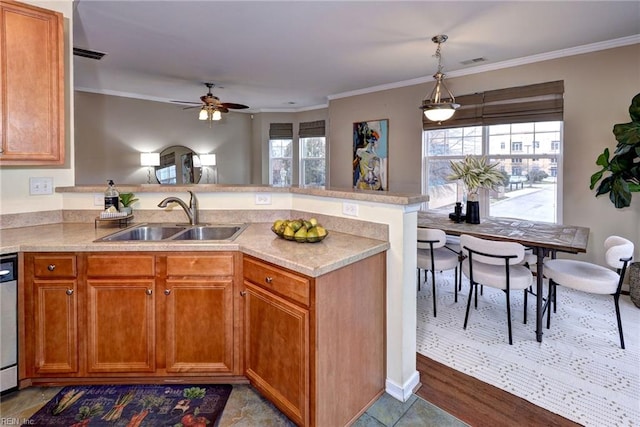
(217, 115)
(203, 114)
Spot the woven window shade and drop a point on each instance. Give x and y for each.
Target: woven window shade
(312, 129)
(281, 131)
(532, 103)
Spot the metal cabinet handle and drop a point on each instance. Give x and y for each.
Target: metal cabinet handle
(167, 291)
(243, 293)
(51, 267)
(69, 292)
(268, 279)
(149, 291)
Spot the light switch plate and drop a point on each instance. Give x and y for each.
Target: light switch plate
(263, 199)
(40, 185)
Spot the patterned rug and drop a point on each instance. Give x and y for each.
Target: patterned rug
(579, 370)
(134, 406)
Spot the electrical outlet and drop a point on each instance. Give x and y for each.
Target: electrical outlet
(350, 209)
(40, 185)
(98, 200)
(263, 199)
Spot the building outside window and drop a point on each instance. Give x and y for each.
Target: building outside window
(312, 161)
(529, 165)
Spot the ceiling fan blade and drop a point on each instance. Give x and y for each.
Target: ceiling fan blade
(234, 106)
(186, 102)
(188, 108)
(222, 109)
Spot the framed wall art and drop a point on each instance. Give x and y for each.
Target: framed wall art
(370, 153)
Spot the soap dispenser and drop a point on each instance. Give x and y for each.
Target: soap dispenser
(111, 197)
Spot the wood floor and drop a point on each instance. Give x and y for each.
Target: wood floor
(477, 403)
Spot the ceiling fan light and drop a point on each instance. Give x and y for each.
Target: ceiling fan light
(203, 114)
(217, 115)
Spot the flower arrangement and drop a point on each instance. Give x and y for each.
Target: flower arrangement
(127, 199)
(476, 172)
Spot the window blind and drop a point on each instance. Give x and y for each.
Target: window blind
(312, 129)
(281, 131)
(531, 103)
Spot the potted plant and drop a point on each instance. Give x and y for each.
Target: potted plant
(127, 199)
(623, 169)
(476, 172)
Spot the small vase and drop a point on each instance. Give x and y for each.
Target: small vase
(126, 209)
(473, 212)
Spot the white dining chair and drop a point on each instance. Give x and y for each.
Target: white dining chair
(593, 278)
(434, 256)
(498, 265)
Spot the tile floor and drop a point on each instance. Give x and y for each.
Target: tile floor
(247, 408)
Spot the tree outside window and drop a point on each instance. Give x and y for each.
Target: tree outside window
(312, 161)
(280, 162)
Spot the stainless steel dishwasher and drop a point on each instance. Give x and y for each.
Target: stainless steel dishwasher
(8, 323)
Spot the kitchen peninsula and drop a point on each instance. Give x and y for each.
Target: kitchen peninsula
(386, 221)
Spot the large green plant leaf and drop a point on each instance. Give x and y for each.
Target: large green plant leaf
(627, 133)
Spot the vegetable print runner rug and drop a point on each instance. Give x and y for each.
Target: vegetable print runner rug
(134, 406)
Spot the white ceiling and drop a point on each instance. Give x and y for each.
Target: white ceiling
(296, 55)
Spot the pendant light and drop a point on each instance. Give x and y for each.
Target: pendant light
(436, 108)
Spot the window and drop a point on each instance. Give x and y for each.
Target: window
(280, 162)
(280, 154)
(312, 154)
(516, 146)
(555, 145)
(530, 190)
(312, 161)
(502, 145)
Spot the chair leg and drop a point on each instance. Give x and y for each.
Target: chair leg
(525, 305)
(551, 296)
(615, 300)
(418, 271)
(433, 284)
(466, 316)
(509, 317)
(455, 285)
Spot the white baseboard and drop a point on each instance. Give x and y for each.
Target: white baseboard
(403, 392)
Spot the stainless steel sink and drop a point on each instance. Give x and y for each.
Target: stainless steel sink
(176, 232)
(222, 232)
(144, 232)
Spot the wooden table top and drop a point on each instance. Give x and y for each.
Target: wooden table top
(560, 237)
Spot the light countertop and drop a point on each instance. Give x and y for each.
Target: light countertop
(311, 259)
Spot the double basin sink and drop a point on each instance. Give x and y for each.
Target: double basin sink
(176, 232)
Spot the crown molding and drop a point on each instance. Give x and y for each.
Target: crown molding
(562, 53)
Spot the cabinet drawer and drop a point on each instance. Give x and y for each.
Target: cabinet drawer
(279, 281)
(121, 265)
(45, 266)
(200, 265)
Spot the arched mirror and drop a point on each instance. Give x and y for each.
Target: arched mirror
(178, 165)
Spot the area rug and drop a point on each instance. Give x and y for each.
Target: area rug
(579, 370)
(134, 406)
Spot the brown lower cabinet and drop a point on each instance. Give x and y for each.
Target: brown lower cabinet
(130, 315)
(315, 347)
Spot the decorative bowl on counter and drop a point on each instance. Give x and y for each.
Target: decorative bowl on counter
(299, 230)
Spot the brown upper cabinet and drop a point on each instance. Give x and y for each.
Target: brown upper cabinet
(31, 85)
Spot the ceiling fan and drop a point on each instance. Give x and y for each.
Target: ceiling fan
(210, 106)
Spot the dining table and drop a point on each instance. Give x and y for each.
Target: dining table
(543, 238)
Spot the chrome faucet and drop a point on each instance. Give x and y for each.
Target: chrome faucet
(191, 210)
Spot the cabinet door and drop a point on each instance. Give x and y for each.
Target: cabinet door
(55, 327)
(120, 325)
(277, 351)
(32, 85)
(199, 322)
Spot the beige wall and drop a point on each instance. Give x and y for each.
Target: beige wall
(112, 131)
(598, 91)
